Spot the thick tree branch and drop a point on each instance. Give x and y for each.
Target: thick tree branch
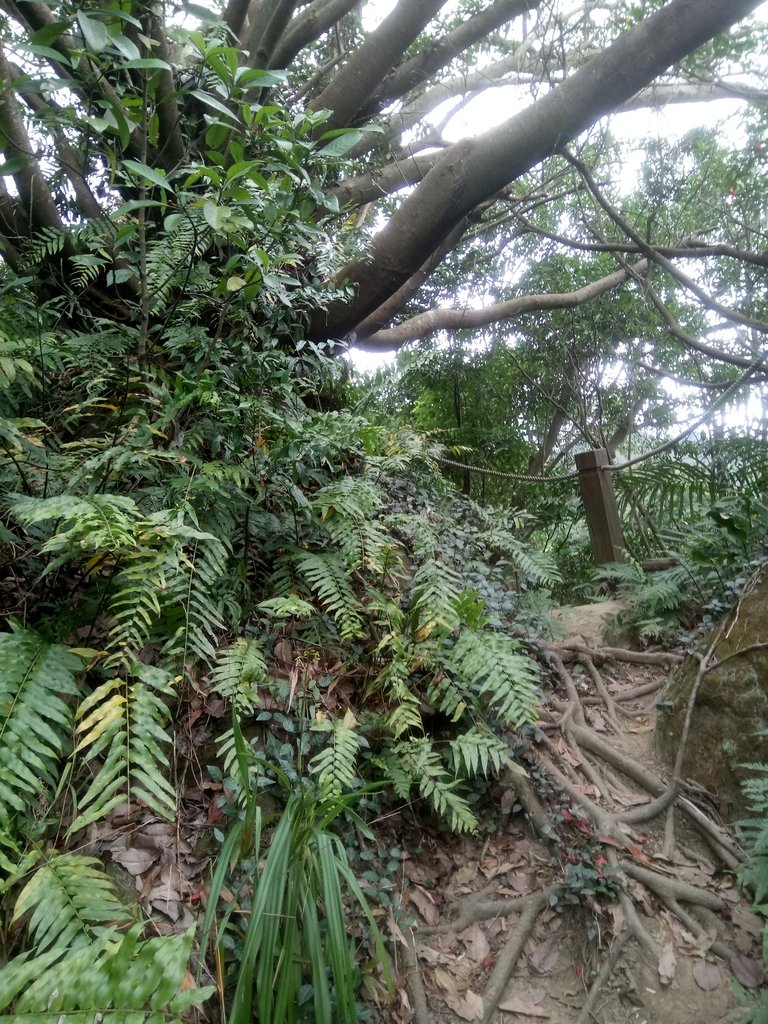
(172, 152)
(39, 208)
(68, 157)
(308, 26)
(351, 88)
(266, 30)
(465, 319)
(235, 14)
(414, 72)
(367, 188)
(472, 170)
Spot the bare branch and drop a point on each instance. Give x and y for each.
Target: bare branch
(464, 319)
(265, 30)
(414, 72)
(367, 188)
(308, 26)
(39, 207)
(350, 89)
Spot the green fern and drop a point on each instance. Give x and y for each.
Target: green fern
(508, 682)
(37, 684)
(435, 594)
(239, 672)
(328, 579)
(334, 766)
(125, 720)
(478, 750)
(110, 981)
(70, 901)
(414, 761)
(191, 597)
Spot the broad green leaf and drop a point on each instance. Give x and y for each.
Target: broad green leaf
(148, 63)
(94, 32)
(148, 173)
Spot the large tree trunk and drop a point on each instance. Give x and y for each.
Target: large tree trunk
(474, 169)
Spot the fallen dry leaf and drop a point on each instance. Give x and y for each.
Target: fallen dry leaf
(469, 1007)
(747, 970)
(445, 981)
(475, 942)
(135, 862)
(425, 904)
(522, 1005)
(522, 881)
(667, 963)
(706, 975)
(545, 956)
(746, 919)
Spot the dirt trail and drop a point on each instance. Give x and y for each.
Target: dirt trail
(602, 894)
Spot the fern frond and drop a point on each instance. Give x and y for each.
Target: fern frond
(415, 761)
(328, 580)
(491, 664)
(334, 766)
(478, 750)
(539, 566)
(435, 594)
(191, 598)
(97, 522)
(70, 900)
(239, 672)
(126, 720)
(36, 678)
(445, 694)
(110, 981)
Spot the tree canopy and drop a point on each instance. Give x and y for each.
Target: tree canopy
(133, 103)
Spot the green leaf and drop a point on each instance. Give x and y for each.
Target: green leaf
(216, 216)
(148, 173)
(148, 63)
(214, 104)
(94, 32)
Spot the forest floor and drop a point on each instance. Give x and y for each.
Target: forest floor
(602, 888)
(607, 893)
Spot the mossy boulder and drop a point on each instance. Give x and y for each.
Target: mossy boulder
(731, 706)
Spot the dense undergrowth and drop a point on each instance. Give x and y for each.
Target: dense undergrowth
(190, 510)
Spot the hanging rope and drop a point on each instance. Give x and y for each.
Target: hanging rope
(615, 467)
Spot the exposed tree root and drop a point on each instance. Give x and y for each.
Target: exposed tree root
(613, 793)
(570, 652)
(606, 970)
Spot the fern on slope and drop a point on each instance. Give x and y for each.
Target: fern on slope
(125, 720)
(239, 671)
(508, 682)
(334, 765)
(414, 761)
(435, 596)
(70, 901)
(36, 716)
(328, 579)
(113, 980)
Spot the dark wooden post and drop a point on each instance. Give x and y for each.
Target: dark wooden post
(605, 531)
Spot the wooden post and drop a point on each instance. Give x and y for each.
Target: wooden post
(605, 533)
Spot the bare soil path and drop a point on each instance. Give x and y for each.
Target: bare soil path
(605, 891)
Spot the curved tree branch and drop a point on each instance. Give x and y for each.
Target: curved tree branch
(412, 73)
(464, 319)
(351, 88)
(308, 26)
(39, 208)
(474, 169)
